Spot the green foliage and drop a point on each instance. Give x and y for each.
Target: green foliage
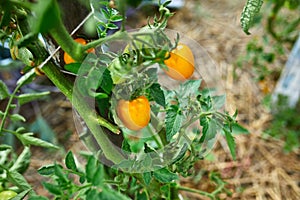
(185, 121)
(285, 124)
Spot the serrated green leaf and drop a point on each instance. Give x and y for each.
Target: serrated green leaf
(158, 94)
(163, 175)
(47, 170)
(54, 189)
(28, 139)
(22, 162)
(147, 176)
(173, 122)
(29, 97)
(18, 180)
(17, 117)
(218, 101)
(4, 93)
(250, 10)
(70, 161)
(231, 143)
(190, 87)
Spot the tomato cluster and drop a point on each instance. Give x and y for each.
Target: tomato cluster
(135, 114)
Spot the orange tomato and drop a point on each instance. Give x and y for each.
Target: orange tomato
(181, 64)
(68, 59)
(134, 114)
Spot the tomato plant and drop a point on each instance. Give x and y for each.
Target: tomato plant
(112, 86)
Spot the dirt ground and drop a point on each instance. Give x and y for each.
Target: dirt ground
(262, 170)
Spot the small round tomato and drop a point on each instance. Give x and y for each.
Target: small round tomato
(134, 114)
(181, 63)
(68, 59)
(7, 194)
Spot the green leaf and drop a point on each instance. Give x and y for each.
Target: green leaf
(37, 198)
(180, 154)
(99, 176)
(58, 171)
(190, 87)
(163, 175)
(21, 195)
(73, 67)
(47, 16)
(218, 101)
(54, 189)
(110, 194)
(28, 139)
(107, 82)
(18, 180)
(158, 94)
(70, 161)
(147, 176)
(4, 93)
(17, 117)
(22, 162)
(29, 97)
(173, 122)
(46, 170)
(230, 142)
(237, 129)
(4, 147)
(126, 146)
(112, 26)
(250, 10)
(90, 168)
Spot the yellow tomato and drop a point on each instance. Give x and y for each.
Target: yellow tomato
(68, 59)
(181, 64)
(134, 114)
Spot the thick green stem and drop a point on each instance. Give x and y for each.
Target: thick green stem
(66, 42)
(86, 112)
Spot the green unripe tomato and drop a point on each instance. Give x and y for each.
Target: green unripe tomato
(7, 194)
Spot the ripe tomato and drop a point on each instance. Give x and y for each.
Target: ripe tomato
(181, 64)
(68, 59)
(134, 114)
(7, 194)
